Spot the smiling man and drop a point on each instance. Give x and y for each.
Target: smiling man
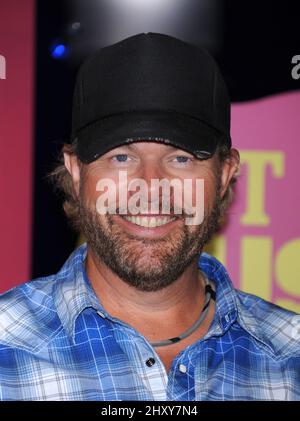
(139, 312)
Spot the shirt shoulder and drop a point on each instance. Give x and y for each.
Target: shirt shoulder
(277, 328)
(28, 317)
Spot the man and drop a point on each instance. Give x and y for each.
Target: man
(139, 312)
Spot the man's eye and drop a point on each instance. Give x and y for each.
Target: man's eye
(182, 159)
(121, 157)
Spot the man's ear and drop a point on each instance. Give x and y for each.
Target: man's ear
(230, 168)
(73, 166)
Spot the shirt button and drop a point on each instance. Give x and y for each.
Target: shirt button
(150, 362)
(101, 314)
(182, 368)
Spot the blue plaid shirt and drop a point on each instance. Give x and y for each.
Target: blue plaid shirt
(58, 343)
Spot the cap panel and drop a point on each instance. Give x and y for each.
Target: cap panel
(150, 72)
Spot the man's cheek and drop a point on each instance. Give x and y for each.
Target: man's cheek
(194, 201)
(105, 221)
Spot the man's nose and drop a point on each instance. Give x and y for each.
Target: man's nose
(150, 170)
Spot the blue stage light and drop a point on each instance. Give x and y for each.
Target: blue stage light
(59, 51)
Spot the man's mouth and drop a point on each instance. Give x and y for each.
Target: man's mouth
(149, 221)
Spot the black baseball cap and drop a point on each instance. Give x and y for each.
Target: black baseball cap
(150, 87)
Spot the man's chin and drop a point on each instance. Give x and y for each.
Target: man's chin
(147, 264)
(146, 280)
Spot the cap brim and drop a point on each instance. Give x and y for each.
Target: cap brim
(178, 130)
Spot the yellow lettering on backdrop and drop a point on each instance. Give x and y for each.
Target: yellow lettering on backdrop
(288, 304)
(287, 268)
(256, 269)
(217, 248)
(256, 162)
(256, 266)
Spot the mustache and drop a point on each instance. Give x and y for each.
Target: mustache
(142, 206)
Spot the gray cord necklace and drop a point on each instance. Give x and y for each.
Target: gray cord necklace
(209, 295)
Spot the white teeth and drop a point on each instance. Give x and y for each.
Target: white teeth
(149, 222)
(153, 223)
(143, 221)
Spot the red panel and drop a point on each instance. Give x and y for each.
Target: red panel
(16, 140)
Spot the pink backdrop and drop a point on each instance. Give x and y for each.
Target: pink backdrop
(16, 95)
(261, 245)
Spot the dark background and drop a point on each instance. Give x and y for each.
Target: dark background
(253, 42)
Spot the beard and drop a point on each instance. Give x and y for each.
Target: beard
(148, 265)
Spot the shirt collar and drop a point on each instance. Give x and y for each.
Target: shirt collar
(226, 309)
(72, 293)
(230, 308)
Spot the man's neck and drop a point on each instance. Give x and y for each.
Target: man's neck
(156, 315)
